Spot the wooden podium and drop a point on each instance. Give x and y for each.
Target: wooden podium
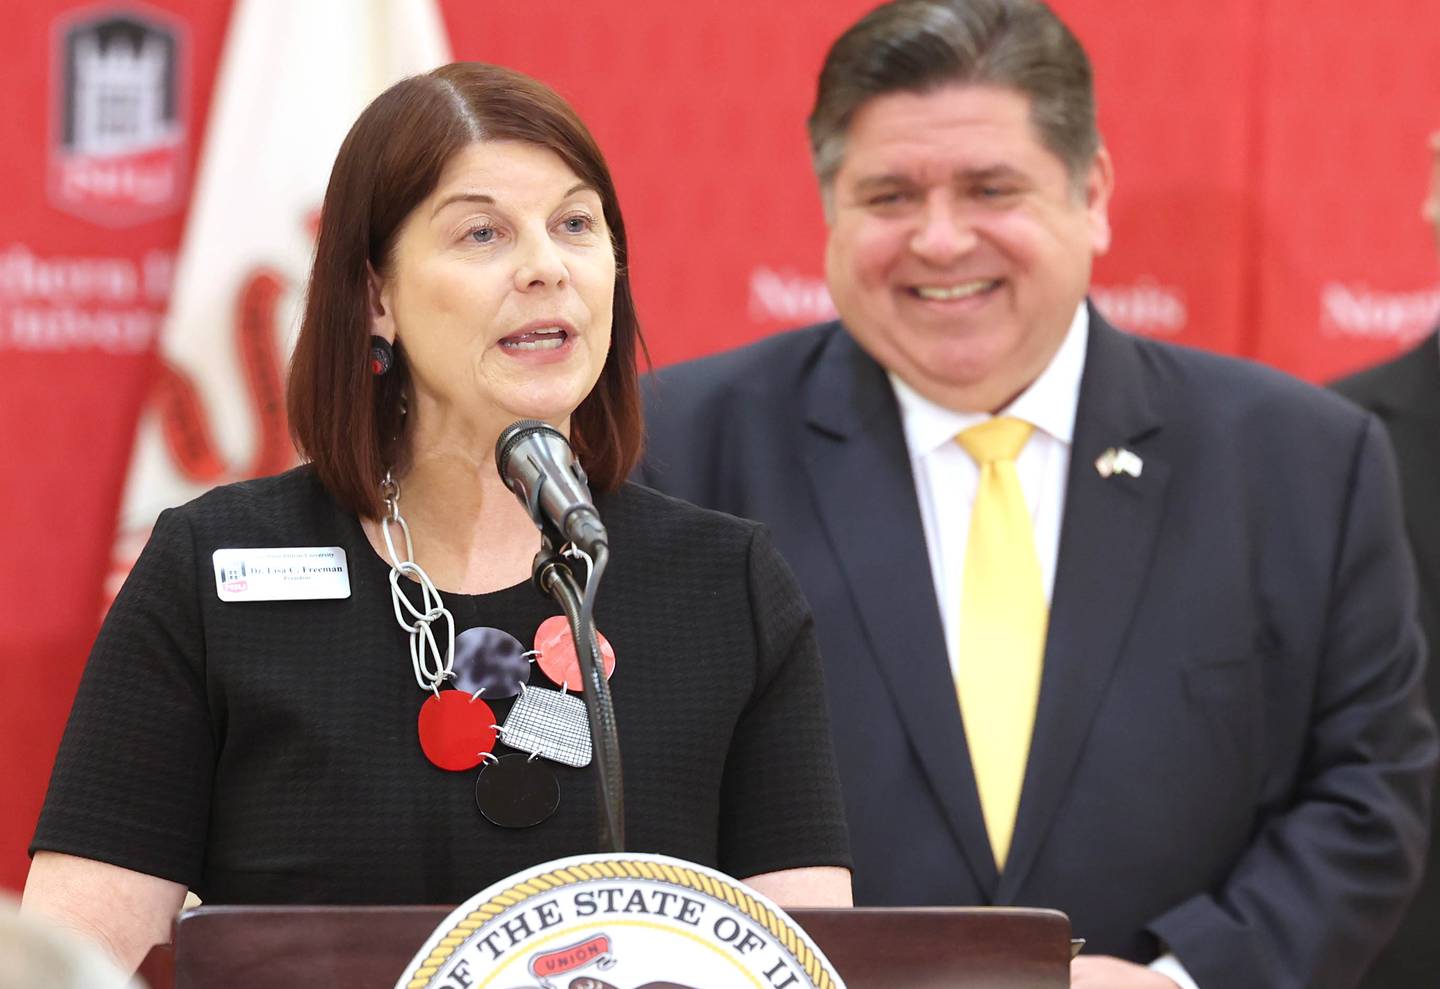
(368, 947)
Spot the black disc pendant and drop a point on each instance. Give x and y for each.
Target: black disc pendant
(516, 791)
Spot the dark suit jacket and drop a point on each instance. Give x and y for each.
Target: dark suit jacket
(1231, 753)
(1405, 394)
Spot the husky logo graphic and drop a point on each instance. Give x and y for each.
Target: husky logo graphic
(118, 146)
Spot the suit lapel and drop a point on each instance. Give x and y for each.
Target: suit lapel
(859, 468)
(1106, 546)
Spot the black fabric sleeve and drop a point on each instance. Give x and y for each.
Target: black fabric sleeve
(1323, 883)
(132, 781)
(780, 800)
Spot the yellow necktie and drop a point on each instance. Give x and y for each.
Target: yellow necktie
(1003, 618)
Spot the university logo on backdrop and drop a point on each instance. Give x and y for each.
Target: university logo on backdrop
(118, 145)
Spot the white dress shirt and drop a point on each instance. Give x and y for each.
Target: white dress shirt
(946, 478)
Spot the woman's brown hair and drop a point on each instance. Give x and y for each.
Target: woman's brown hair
(346, 420)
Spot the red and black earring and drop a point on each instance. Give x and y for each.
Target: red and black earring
(382, 355)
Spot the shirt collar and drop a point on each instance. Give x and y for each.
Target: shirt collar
(1048, 403)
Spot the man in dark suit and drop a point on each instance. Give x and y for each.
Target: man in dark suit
(1405, 394)
(1226, 782)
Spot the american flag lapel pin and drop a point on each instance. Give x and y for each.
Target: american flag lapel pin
(1120, 461)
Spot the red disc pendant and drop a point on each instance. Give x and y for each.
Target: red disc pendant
(456, 731)
(557, 657)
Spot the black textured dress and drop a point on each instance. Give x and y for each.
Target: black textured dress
(266, 751)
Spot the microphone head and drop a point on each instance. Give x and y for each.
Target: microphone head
(536, 463)
(513, 435)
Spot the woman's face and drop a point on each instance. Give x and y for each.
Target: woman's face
(500, 290)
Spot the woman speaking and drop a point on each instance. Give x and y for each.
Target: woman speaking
(338, 685)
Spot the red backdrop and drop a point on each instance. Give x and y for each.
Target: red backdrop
(1270, 155)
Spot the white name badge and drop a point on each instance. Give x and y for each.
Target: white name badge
(281, 573)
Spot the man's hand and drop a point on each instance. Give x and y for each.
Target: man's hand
(1104, 972)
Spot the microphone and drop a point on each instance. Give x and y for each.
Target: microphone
(535, 461)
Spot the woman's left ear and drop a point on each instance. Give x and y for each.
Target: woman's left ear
(382, 323)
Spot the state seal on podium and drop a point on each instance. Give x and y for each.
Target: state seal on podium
(619, 921)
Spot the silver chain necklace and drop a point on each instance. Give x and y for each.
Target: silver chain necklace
(432, 666)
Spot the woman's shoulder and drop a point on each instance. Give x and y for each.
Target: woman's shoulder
(643, 517)
(265, 510)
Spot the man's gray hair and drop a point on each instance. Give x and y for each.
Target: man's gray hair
(918, 46)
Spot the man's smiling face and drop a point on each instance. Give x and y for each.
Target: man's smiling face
(960, 246)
